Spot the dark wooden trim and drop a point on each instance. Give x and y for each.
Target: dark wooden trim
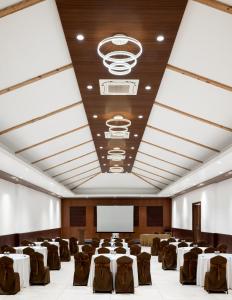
(217, 5)
(17, 7)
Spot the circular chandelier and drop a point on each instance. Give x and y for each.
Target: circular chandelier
(116, 169)
(119, 62)
(118, 123)
(116, 154)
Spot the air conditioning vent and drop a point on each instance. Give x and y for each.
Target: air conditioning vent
(118, 86)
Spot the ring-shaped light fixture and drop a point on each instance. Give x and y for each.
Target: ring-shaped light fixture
(116, 119)
(116, 152)
(120, 62)
(116, 169)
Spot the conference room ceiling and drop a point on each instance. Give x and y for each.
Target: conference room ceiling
(46, 115)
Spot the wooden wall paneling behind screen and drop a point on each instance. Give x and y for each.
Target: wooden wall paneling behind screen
(140, 215)
(96, 20)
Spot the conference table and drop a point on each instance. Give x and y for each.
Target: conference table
(112, 250)
(203, 266)
(41, 250)
(181, 252)
(22, 266)
(113, 267)
(147, 239)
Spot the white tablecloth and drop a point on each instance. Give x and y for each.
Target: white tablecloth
(203, 266)
(112, 250)
(113, 267)
(52, 243)
(22, 266)
(180, 255)
(42, 250)
(125, 245)
(176, 244)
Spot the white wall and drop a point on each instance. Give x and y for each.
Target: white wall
(216, 208)
(24, 210)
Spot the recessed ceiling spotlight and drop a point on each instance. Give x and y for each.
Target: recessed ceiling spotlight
(140, 116)
(132, 148)
(89, 87)
(100, 147)
(160, 38)
(80, 37)
(103, 156)
(104, 165)
(147, 87)
(115, 165)
(130, 157)
(128, 165)
(135, 135)
(95, 116)
(98, 134)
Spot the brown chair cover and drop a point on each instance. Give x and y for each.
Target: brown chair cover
(188, 271)
(28, 251)
(27, 243)
(118, 244)
(222, 248)
(130, 243)
(124, 281)
(45, 244)
(202, 243)
(135, 250)
(144, 274)
(196, 250)
(103, 279)
(155, 246)
(106, 240)
(88, 250)
(64, 251)
(9, 280)
(182, 244)
(40, 239)
(169, 258)
(118, 240)
(120, 250)
(39, 274)
(171, 240)
(210, 250)
(161, 248)
(215, 279)
(58, 239)
(82, 267)
(53, 257)
(95, 242)
(106, 244)
(103, 250)
(6, 248)
(73, 245)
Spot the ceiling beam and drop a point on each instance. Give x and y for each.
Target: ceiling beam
(91, 162)
(192, 116)
(40, 118)
(80, 179)
(60, 152)
(183, 138)
(155, 186)
(68, 161)
(217, 5)
(17, 7)
(35, 79)
(51, 139)
(155, 174)
(163, 160)
(199, 77)
(172, 151)
(79, 174)
(159, 182)
(85, 181)
(164, 170)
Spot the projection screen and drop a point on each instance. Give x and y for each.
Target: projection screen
(115, 218)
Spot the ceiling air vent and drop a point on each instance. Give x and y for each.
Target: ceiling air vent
(118, 86)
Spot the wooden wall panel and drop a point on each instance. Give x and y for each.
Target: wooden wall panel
(90, 204)
(77, 216)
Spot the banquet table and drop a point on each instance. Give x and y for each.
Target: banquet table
(112, 250)
(52, 243)
(125, 245)
(22, 266)
(42, 250)
(180, 254)
(203, 266)
(113, 267)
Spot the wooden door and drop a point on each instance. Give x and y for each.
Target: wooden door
(196, 221)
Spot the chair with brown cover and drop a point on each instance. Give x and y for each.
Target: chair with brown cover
(124, 280)
(53, 257)
(27, 243)
(182, 244)
(210, 250)
(73, 245)
(82, 267)
(202, 243)
(118, 240)
(118, 244)
(135, 250)
(120, 250)
(40, 239)
(161, 248)
(130, 243)
(171, 240)
(196, 250)
(106, 240)
(144, 274)
(6, 248)
(188, 271)
(64, 251)
(28, 251)
(95, 242)
(88, 250)
(155, 246)
(45, 244)
(9, 280)
(222, 248)
(106, 244)
(103, 250)
(39, 274)
(103, 279)
(169, 259)
(58, 239)
(215, 279)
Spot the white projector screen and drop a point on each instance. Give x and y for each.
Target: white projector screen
(115, 218)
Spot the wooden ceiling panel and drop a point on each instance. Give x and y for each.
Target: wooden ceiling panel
(96, 20)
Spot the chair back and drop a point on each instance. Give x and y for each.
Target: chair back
(106, 244)
(103, 279)
(155, 246)
(124, 281)
(169, 259)
(9, 280)
(182, 244)
(28, 251)
(39, 274)
(161, 248)
(189, 269)
(120, 250)
(210, 250)
(27, 243)
(82, 267)
(103, 250)
(196, 250)
(171, 240)
(6, 248)
(53, 257)
(202, 243)
(135, 250)
(222, 248)
(64, 251)
(118, 244)
(73, 245)
(144, 274)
